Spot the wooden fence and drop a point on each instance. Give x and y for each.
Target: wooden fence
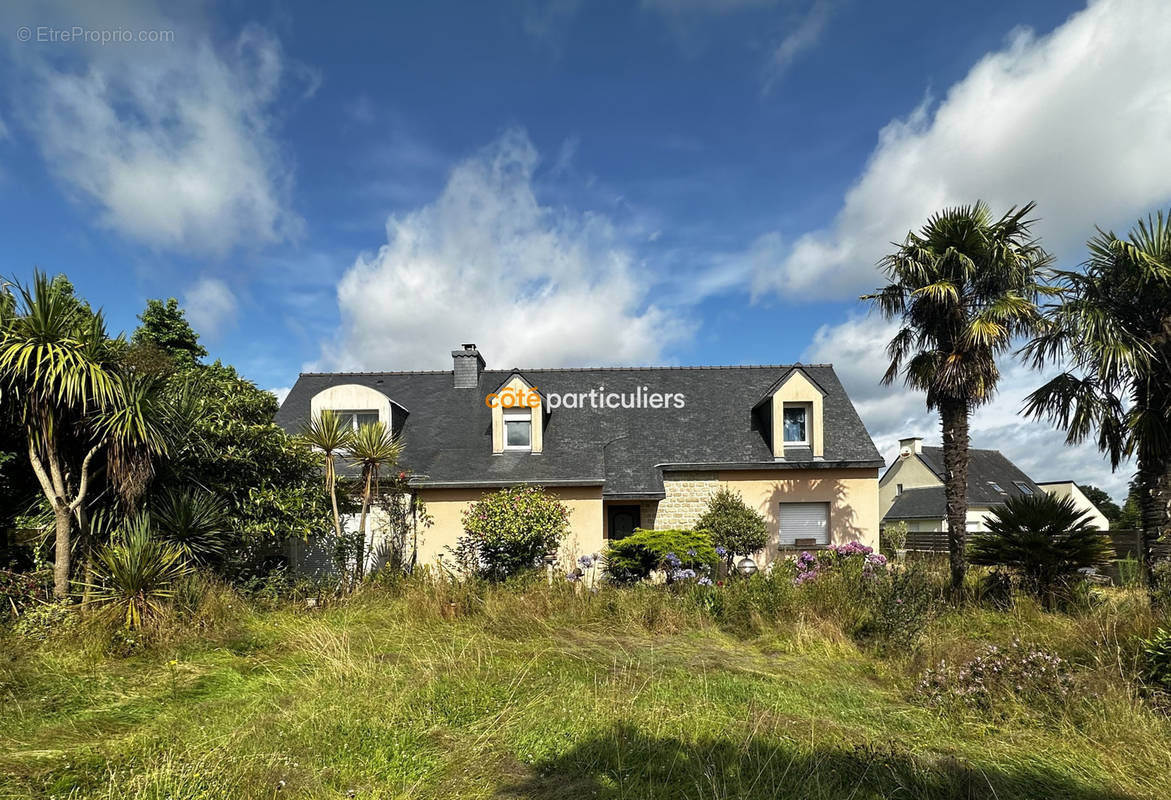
(1126, 543)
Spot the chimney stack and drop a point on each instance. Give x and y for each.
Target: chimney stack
(468, 366)
(914, 444)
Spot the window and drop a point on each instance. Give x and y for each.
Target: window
(518, 430)
(804, 524)
(356, 419)
(899, 487)
(796, 424)
(1024, 487)
(996, 487)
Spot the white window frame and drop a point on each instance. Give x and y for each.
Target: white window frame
(806, 409)
(354, 412)
(1024, 487)
(513, 415)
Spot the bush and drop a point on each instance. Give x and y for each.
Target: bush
(195, 522)
(682, 554)
(42, 622)
(1017, 672)
(22, 590)
(510, 531)
(734, 527)
(893, 538)
(1156, 661)
(901, 605)
(135, 573)
(1045, 539)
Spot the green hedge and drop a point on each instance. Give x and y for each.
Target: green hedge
(635, 557)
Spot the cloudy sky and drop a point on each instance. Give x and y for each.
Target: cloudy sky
(566, 182)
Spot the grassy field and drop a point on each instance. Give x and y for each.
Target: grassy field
(441, 692)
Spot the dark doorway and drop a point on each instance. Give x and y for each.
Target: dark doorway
(622, 520)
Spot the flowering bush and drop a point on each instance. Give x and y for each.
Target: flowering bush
(510, 531)
(838, 557)
(680, 554)
(900, 605)
(1017, 672)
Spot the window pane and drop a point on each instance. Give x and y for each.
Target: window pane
(517, 433)
(795, 425)
(345, 419)
(366, 417)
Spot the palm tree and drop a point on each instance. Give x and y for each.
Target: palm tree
(1113, 325)
(51, 368)
(372, 447)
(963, 288)
(59, 369)
(194, 521)
(327, 433)
(1045, 539)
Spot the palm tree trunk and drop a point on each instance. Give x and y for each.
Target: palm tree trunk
(360, 567)
(953, 416)
(1154, 483)
(64, 523)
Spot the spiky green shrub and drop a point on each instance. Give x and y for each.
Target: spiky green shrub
(135, 573)
(738, 529)
(678, 553)
(193, 521)
(1042, 538)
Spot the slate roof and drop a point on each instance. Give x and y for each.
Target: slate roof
(984, 468)
(448, 431)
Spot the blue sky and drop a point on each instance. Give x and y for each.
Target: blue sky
(566, 182)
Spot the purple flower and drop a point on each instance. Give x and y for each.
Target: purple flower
(691, 552)
(721, 552)
(586, 561)
(704, 581)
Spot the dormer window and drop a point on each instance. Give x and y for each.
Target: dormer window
(518, 430)
(797, 425)
(356, 419)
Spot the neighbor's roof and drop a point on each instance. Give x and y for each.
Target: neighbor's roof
(985, 467)
(448, 432)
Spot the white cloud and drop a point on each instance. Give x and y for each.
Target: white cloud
(1077, 120)
(281, 392)
(856, 348)
(486, 262)
(174, 144)
(802, 38)
(210, 307)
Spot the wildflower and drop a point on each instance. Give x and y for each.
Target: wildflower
(704, 581)
(691, 552)
(586, 561)
(721, 551)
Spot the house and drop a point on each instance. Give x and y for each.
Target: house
(623, 448)
(911, 490)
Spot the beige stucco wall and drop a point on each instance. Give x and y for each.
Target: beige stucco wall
(852, 495)
(446, 507)
(1069, 489)
(797, 390)
(911, 472)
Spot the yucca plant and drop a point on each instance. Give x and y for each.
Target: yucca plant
(373, 447)
(193, 521)
(134, 573)
(1045, 539)
(331, 436)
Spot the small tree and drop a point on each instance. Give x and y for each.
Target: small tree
(734, 527)
(372, 447)
(511, 530)
(1043, 538)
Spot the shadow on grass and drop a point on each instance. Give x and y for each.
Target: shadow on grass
(626, 763)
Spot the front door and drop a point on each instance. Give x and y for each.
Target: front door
(622, 520)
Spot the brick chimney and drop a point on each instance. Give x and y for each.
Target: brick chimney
(913, 444)
(468, 366)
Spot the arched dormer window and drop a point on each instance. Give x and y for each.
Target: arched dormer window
(357, 405)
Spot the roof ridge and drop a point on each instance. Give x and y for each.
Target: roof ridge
(574, 369)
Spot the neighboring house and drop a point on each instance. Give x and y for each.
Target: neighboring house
(911, 490)
(786, 437)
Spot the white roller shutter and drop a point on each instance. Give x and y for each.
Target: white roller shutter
(804, 521)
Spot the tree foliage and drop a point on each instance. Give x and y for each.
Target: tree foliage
(1045, 539)
(510, 531)
(165, 327)
(1101, 500)
(735, 527)
(963, 288)
(1112, 330)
